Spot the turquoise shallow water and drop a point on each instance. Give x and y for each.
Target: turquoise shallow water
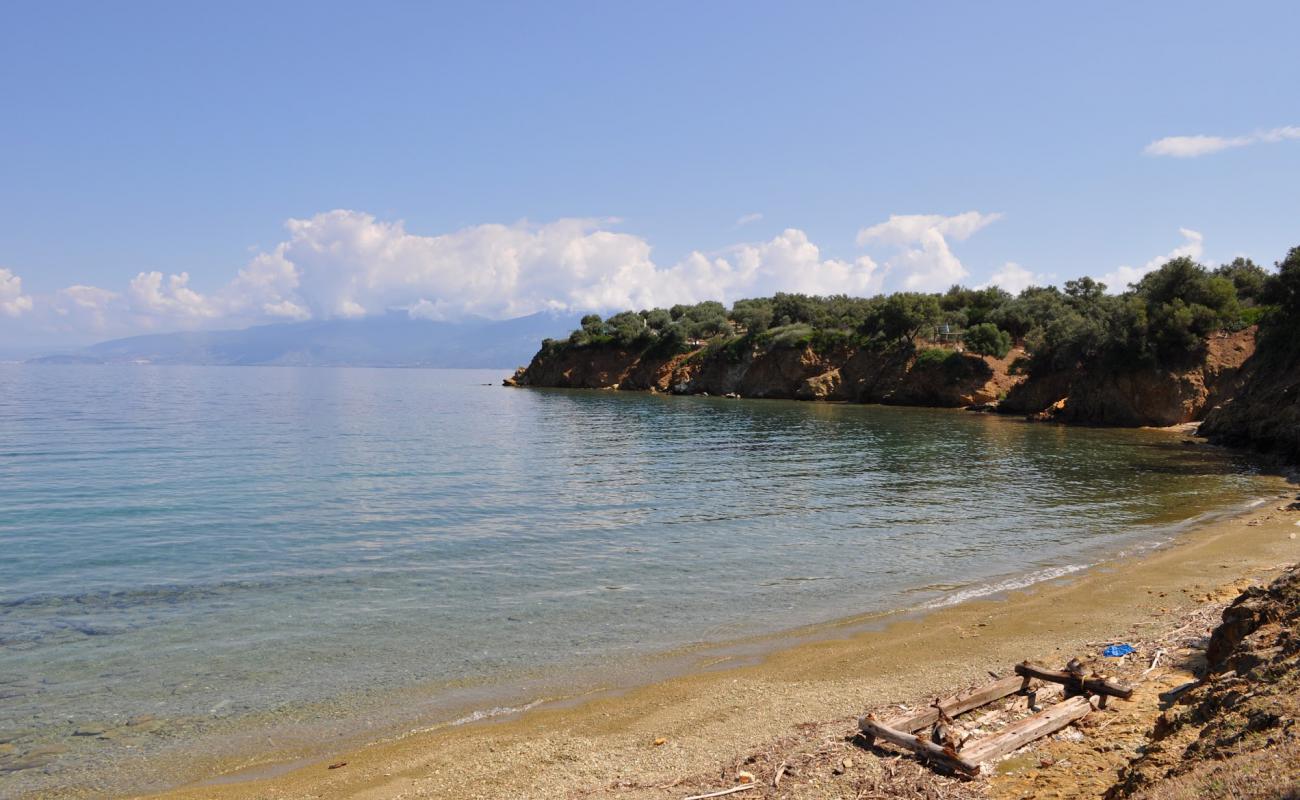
(225, 549)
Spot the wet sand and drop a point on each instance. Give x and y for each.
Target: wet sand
(607, 746)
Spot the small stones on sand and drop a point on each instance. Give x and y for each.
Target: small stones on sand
(660, 742)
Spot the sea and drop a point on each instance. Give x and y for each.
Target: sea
(199, 562)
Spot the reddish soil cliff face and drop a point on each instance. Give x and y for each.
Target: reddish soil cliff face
(1151, 396)
(1265, 412)
(895, 377)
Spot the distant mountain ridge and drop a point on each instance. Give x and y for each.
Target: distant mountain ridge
(391, 340)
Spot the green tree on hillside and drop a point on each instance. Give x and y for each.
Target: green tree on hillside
(754, 315)
(1248, 278)
(905, 314)
(987, 339)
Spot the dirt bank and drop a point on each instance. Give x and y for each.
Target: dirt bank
(1147, 396)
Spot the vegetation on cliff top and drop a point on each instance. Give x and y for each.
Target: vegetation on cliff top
(1161, 319)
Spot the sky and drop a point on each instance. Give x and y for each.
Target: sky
(171, 166)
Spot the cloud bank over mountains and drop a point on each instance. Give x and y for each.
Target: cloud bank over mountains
(347, 264)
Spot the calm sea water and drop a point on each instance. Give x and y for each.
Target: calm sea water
(217, 553)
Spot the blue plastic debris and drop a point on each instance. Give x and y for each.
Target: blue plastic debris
(1118, 650)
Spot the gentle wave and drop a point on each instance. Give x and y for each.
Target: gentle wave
(1007, 585)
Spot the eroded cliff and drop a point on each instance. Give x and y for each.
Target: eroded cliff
(1264, 413)
(934, 377)
(1153, 395)
(1158, 395)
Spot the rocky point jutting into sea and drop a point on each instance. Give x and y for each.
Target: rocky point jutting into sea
(1144, 396)
(1181, 346)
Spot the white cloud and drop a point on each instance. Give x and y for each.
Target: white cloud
(924, 261)
(787, 263)
(1192, 247)
(13, 302)
(83, 307)
(149, 296)
(1200, 145)
(1014, 278)
(348, 264)
(344, 263)
(747, 219)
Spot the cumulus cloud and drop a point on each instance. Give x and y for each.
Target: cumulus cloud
(1193, 246)
(1201, 145)
(13, 302)
(150, 295)
(1014, 278)
(924, 261)
(347, 264)
(788, 262)
(350, 264)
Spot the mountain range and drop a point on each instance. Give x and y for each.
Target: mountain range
(391, 340)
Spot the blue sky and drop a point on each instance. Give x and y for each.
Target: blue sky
(499, 158)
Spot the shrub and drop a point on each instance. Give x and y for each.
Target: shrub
(954, 365)
(797, 335)
(731, 349)
(988, 339)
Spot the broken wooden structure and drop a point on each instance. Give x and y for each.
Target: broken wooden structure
(939, 746)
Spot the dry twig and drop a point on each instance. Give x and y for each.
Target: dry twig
(742, 787)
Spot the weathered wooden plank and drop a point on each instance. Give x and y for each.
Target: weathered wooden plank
(959, 703)
(925, 748)
(1018, 734)
(1095, 685)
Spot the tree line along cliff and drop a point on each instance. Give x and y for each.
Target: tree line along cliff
(1185, 343)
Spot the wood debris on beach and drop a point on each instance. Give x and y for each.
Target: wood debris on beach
(963, 748)
(1078, 759)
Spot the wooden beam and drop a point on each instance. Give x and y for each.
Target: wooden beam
(959, 704)
(1019, 734)
(1094, 685)
(922, 747)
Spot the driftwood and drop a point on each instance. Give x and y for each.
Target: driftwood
(959, 704)
(741, 788)
(925, 748)
(1018, 734)
(1080, 683)
(1089, 692)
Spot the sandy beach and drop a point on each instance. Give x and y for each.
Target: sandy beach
(643, 743)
